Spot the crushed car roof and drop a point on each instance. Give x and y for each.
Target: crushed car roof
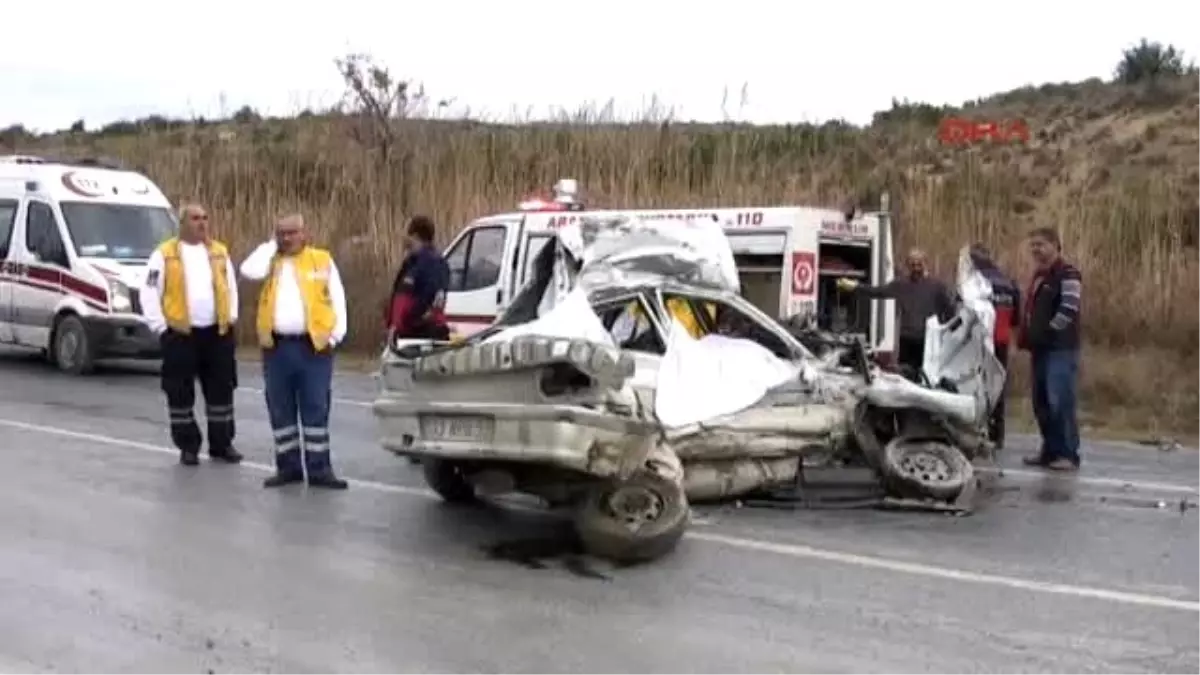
(623, 251)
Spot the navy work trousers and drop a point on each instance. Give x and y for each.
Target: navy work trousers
(298, 382)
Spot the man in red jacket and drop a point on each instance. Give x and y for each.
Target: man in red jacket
(417, 308)
(1006, 298)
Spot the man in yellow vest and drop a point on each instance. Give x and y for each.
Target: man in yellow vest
(190, 300)
(301, 318)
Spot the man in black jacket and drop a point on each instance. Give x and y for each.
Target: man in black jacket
(1050, 332)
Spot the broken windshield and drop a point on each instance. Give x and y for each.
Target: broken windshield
(118, 231)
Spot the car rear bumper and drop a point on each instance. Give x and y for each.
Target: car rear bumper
(567, 437)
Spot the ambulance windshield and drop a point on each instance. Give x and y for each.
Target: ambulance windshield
(117, 231)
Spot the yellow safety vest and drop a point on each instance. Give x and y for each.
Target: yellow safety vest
(174, 295)
(312, 267)
(682, 312)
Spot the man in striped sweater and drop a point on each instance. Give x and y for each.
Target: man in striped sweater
(1051, 334)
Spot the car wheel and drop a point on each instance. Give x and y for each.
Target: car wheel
(448, 480)
(925, 468)
(70, 348)
(632, 521)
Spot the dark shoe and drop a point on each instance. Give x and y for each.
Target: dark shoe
(229, 456)
(189, 458)
(1039, 459)
(1062, 464)
(281, 479)
(329, 481)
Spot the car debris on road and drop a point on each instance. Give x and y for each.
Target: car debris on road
(628, 428)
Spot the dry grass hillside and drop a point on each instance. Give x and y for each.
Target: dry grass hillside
(1113, 166)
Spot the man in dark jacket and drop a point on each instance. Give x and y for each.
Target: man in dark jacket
(918, 296)
(1006, 298)
(418, 297)
(1051, 334)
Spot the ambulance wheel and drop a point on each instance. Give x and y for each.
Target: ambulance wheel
(70, 348)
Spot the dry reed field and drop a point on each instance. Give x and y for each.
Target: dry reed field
(1114, 167)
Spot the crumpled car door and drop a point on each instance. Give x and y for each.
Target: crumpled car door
(959, 353)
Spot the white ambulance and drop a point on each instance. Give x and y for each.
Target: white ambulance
(789, 259)
(74, 240)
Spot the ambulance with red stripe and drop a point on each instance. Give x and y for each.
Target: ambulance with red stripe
(74, 241)
(789, 259)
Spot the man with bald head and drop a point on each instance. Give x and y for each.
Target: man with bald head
(190, 300)
(918, 296)
(301, 319)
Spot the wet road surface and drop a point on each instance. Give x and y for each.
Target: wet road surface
(117, 559)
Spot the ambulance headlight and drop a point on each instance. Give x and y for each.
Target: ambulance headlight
(119, 296)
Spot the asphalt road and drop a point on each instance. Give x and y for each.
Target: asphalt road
(117, 559)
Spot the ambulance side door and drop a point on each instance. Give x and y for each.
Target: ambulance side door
(531, 245)
(883, 319)
(42, 257)
(480, 285)
(8, 269)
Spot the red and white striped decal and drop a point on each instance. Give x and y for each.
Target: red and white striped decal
(55, 280)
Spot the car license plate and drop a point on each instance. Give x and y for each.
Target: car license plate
(457, 428)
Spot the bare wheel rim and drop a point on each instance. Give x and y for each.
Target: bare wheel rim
(634, 506)
(925, 465)
(68, 348)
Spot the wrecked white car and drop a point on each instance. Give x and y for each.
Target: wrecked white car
(629, 379)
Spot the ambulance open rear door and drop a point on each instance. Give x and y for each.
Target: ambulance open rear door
(761, 258)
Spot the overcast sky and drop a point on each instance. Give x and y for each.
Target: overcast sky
(797, 61)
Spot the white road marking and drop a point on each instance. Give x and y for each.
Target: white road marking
(150, 447)
(1099, 481)
(777, 548)
(920, 569)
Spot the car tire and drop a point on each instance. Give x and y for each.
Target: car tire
(447, 479)
(925, 468)
(608, 528)
(70, 348)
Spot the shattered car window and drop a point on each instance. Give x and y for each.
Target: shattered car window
(631, 326)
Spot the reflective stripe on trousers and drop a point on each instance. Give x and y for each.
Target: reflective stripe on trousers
(218, 413)
(287, 439)
(316, 439)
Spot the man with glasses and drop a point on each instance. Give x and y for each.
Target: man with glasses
(301, 320)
